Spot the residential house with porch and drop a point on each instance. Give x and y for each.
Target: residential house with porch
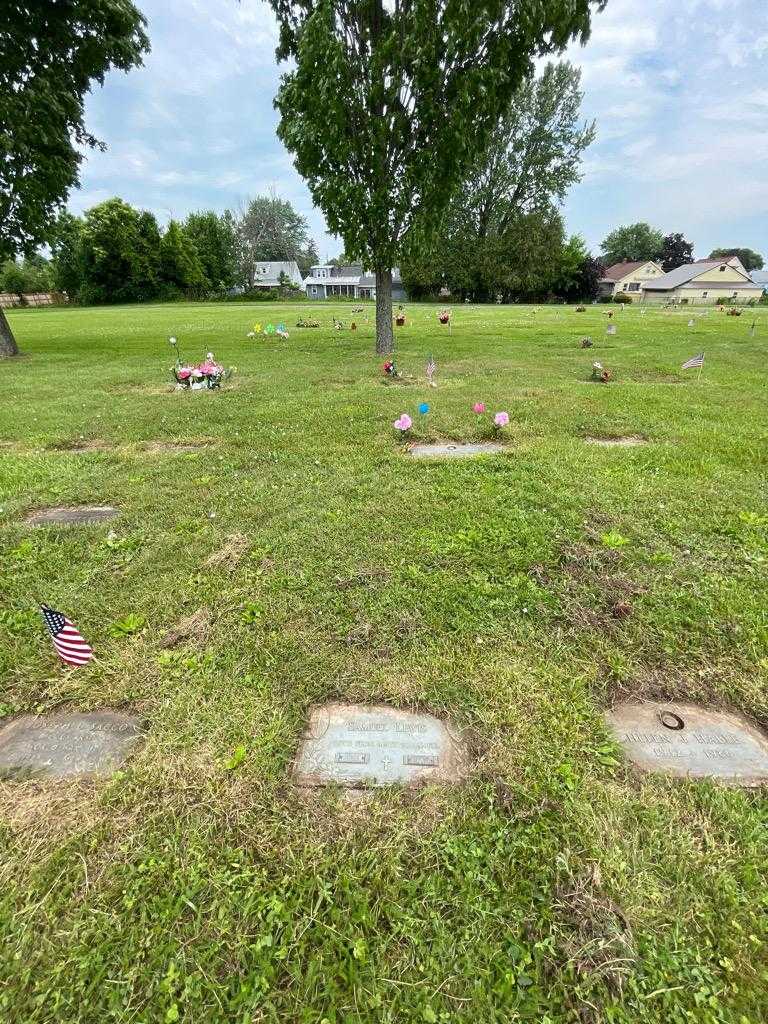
(327, 281)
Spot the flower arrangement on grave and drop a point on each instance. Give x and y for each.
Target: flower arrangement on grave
(208, 375)
(400, 317)
(500, 420)
(403, 423)
(444, 316)
(586, 342)
(599, 373)
(581, 309)
(307, 321)
(733, 312)
(390, 369)
(256, 330)
(282, 332)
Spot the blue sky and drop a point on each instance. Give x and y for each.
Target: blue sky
(679, 89)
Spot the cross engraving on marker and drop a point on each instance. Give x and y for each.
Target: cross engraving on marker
(386, 763)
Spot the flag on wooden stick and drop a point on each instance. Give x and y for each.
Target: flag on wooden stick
(692, 363)
(70, 645)
(431, 368)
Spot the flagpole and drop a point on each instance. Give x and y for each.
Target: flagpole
(701, 367)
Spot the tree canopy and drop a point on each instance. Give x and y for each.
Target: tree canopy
(676, 251)
(387, 108)
(750, 259)
(216, 243)
(269, 229)
(50, 56)
(632, 242)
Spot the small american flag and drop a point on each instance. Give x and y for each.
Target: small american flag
(431, 367)
(691, 364)
(69, 644)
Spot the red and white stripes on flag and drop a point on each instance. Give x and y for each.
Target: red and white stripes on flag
(70, 645)
(691, 364)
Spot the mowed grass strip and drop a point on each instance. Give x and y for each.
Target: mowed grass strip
(282, 533)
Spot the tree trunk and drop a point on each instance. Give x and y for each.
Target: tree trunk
(8, 345)
(385, 338)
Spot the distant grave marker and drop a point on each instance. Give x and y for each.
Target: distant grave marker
(67, 745)
(355, 745)
(81, 515)
(611, 329)
(688, 741)
(452, 450)
(628, 441)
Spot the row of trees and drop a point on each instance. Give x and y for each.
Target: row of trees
(642, 242)
(117, 253)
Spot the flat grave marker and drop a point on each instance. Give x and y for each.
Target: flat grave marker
(67, 745)
(689, 741)
(626, 441)
(356, 745)
(454, 450)
(80, 515)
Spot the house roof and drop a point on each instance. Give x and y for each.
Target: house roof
(682, 275)
(267, 272)
(619, 270)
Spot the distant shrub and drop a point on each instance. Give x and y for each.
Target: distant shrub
(622, 298)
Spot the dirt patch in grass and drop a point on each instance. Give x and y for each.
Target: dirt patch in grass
(195, 627)
(81, 447)
(362, 578)
(231, 554)
(597, 938)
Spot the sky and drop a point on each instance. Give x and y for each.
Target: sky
(678, 88)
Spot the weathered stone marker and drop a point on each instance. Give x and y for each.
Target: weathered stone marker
(450, 450)
(66, 745)
(357, 745)
(80, 515)
(691, 742)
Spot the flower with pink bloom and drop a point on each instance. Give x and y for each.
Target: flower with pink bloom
(404, 423)
(183, 374)
(501, 419)
(478, 407)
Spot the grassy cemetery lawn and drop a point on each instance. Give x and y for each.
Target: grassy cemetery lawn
(301, 555)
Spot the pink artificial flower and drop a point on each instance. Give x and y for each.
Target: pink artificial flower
(501, 419)
(183, 374)
(478, 407)
(207, 369)
(404, 423)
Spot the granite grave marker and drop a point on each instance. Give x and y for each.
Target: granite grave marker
(454, 450)
(688, 741)
(80, 515)
(67, 745)
(357, 745)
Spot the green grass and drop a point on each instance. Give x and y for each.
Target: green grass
(556, 885)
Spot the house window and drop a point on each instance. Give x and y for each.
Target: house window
(634, 287)
(704, 295)
(624, 286)
(722, 268)
(735, 295)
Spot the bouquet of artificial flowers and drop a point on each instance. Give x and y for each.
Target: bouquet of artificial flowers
(207, 375)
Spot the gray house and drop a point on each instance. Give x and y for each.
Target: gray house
(352, 282)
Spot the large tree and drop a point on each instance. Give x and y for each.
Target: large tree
(216, 242)
(750, 259)
(534, 153)
(388, 106)
(180, 266)
(676, 251)
(269, 229)
(632, 242)
(50, 56)
(119, 254)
